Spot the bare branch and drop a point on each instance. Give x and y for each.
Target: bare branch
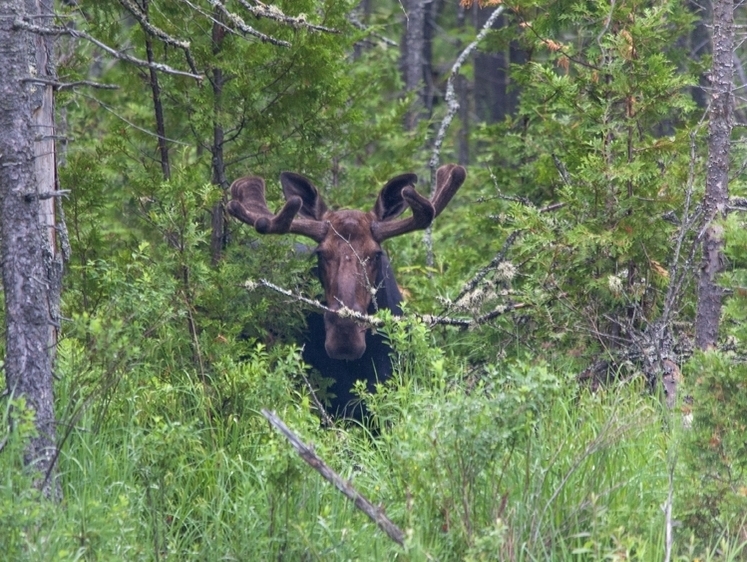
(130, 123)
(498, 258)
(375, 513)
(353, 19)
(58, 31)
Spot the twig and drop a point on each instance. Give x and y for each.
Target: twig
(326, 419)
(375, 513)
(499, 257)
(452, 104)
(355, 22)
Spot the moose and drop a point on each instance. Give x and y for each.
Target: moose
(354, 271)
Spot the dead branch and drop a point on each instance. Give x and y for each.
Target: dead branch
(374, 322)
(358, 24)
(157, 32)
(375, 513)
(452, 103)
(59, 31)
(451, 98)
(70, 85)
(151, 29)
(273, 12)
(498, 258)
(237, 21)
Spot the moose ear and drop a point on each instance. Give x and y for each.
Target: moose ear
(390, 203)
(296, 185)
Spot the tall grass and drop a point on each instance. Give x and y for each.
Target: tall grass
(509, 462)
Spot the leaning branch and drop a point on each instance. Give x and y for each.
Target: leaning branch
(451, 98)
(452, 103)
(375, 513)
(58, 31)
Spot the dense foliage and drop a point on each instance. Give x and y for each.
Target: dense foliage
(484, 446)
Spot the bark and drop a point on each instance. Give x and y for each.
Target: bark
(31, 270)
(710, 295)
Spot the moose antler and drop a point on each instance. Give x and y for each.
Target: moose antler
(248, 204)
(449, 179)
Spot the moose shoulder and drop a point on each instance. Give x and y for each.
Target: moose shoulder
(353, 269)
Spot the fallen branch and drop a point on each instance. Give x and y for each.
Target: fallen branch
(375, 513)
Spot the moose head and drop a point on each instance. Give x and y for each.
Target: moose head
(349, 241)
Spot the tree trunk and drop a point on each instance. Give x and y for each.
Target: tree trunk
(491, 76)
(413, 50)
(31, 270)
(218, 216)
(710, 295)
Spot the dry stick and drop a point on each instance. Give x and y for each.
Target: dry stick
(376, 514)
(452, 104)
